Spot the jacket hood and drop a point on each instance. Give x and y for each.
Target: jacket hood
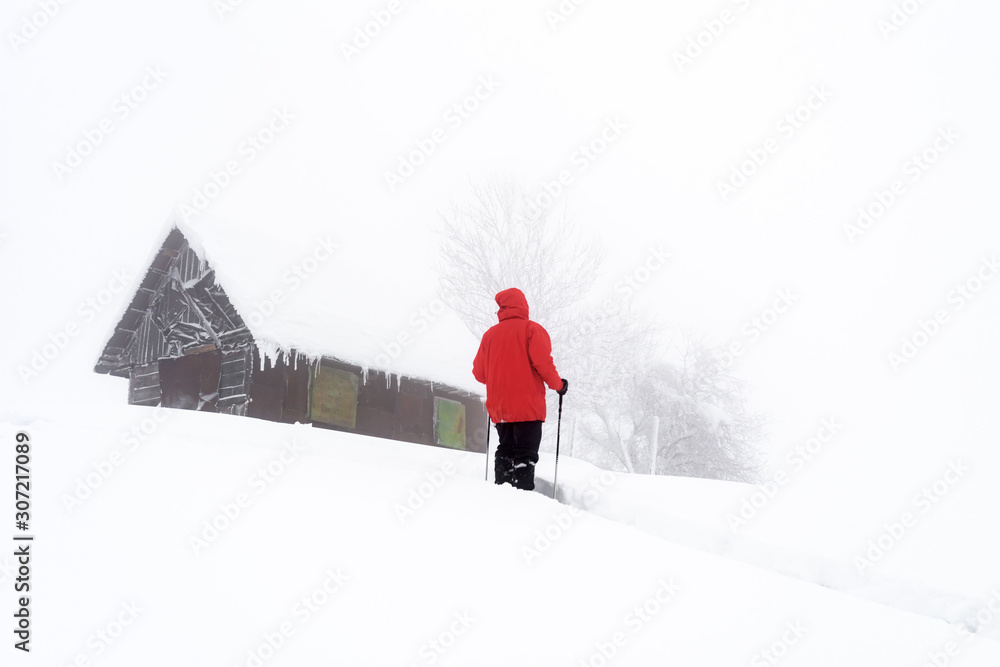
(512, 304)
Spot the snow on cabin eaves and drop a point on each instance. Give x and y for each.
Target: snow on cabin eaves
(351, 325)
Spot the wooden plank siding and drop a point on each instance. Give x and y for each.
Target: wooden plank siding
(144, 385)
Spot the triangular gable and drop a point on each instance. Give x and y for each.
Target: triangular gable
(177, 309)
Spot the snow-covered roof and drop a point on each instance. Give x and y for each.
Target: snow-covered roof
(322, 298)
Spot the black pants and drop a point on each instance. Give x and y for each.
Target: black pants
(519, 441)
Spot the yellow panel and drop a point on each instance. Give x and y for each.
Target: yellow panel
(449, 423)
(334, 397)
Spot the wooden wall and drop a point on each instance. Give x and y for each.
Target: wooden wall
(337, 395)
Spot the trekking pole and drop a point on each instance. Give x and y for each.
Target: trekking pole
(555, 476)
(487, 477)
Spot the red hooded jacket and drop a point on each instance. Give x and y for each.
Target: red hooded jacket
(515, 363)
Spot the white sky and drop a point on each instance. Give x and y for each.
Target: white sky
(656, 184)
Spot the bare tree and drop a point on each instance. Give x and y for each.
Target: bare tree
(500, 240)
(634, 411)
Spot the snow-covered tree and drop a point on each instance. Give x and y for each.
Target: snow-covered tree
(685, 417)
(705, 429)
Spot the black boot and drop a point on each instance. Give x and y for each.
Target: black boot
(524, 476)
(504, 468)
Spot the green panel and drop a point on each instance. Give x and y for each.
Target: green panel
(449, 423)
(334, 397)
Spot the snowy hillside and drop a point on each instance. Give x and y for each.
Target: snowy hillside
(809, 188)
(208, 539)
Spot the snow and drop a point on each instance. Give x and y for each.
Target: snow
(67, 242)
(325, 299)
(713, 414)
(706, 515)
(398, 548)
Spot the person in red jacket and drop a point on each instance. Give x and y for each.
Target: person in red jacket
(514, 361)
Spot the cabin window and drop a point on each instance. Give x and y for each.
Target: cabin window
(334, 397)
(449, 423)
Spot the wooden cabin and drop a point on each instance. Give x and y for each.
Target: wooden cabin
(182, 344)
